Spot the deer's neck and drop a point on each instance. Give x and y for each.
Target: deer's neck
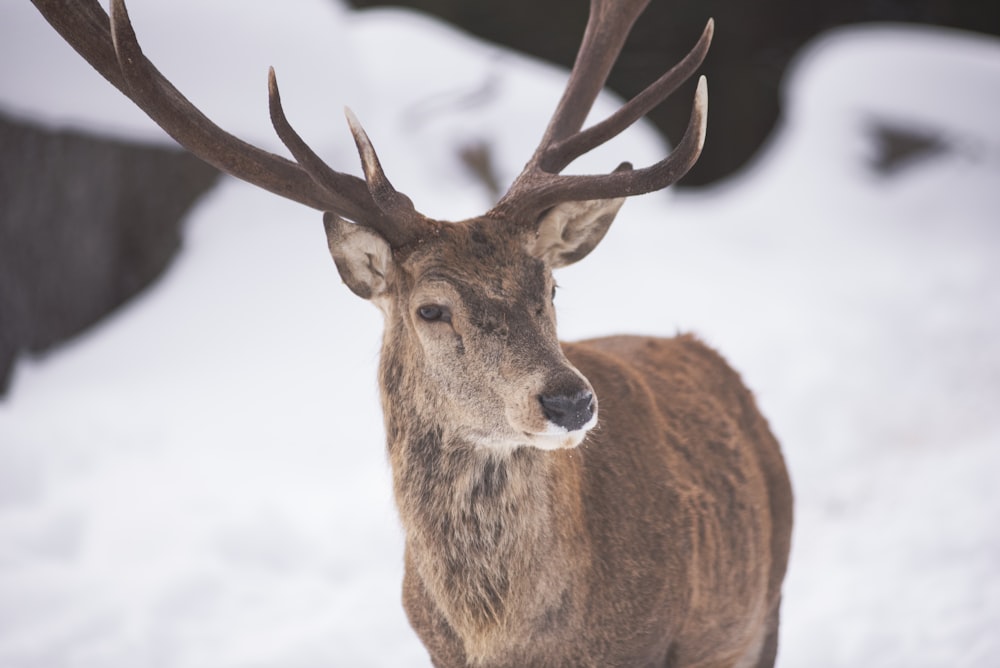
(481, 526)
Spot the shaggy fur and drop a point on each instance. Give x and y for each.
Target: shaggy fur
(660, 540)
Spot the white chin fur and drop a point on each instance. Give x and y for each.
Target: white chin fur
(556, 438)
(562, 441)
(553, 438)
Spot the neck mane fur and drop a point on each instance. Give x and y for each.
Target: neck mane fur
(479, 524)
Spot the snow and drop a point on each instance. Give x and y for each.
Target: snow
(200, 479)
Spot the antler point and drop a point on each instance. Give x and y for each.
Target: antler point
(701, 108)
(352, 119)
(701, 92)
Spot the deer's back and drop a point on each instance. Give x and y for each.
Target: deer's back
(683, 483)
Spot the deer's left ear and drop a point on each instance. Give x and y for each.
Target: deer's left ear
(570, 230)
(363, 257)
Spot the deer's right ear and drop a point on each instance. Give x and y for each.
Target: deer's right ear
(362, 256)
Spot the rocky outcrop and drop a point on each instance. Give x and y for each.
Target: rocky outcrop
(85, 224)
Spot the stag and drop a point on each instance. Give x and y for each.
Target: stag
(540, 531)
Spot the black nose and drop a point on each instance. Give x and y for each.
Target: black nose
(571, 411)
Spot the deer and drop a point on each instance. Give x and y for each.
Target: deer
(618, 501)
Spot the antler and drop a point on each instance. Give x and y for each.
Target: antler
(540, 185)
(110, 46)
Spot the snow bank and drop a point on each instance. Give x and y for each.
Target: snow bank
(200, 480)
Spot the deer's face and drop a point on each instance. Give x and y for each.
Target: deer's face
(471, 322)
(476, 311)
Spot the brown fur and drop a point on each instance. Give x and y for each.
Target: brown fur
(661, 540)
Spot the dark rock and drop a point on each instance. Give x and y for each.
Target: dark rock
(897, 147)
(85, 224)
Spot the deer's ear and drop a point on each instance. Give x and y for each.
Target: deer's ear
(362, 256)
(570, 230)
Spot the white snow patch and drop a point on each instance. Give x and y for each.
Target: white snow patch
(200, 480)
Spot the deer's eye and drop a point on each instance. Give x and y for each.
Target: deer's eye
(434, 313)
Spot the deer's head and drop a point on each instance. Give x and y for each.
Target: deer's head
(469, 312)
(468, 305)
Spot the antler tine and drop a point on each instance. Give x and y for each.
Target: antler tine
(85, 27)
(110, 46)
(394, 203)
(543, 191)
(560, 154)
(392, 221)
(608, 26)
(540, 186)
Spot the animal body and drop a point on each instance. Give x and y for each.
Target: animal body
(612, 502)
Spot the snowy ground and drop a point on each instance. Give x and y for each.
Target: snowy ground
(200, 480)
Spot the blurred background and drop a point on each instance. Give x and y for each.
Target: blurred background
(191, 464)
(755, 42)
